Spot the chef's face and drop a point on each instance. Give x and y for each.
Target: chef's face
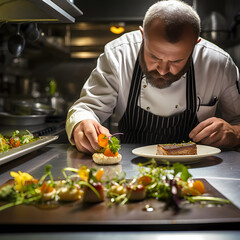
(163, 62)
(155, 78)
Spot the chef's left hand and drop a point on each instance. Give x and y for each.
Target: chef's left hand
(216, 132)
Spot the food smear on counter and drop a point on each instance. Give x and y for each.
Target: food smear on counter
(16, 139)
(108, 152)
(189, 148)
(172, 185)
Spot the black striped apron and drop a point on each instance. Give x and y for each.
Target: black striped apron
(141, 126)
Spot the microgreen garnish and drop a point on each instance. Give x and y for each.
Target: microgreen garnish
(109, 144)
(168, 183)
(47, 173)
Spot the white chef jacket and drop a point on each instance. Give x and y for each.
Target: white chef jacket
(106, 91)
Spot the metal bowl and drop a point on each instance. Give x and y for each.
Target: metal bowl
(42, 109)
(8, 119)
(25, 107)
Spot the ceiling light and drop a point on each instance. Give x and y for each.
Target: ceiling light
(118, 28)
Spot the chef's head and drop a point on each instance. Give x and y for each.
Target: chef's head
(170, 31)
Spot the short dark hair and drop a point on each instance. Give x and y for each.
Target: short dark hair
(176, 16)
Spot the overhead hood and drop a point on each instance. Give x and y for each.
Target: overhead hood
(62, 11)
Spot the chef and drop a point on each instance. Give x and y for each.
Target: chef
(164, 83)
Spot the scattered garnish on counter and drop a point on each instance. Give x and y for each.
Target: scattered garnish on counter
(108, 153)
(15, 140)
(173, 185)
(25, 189)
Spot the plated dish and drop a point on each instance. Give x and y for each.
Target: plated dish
(14, 153)
(202, 152)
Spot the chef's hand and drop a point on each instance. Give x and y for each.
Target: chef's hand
(85, 135)
(216, 132)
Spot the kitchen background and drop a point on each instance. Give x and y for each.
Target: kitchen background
(58, 57)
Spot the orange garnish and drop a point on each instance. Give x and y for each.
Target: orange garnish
(46, 188)
(199, 186)
(109, 153)
(99, 174)
(102, 140)
(15, 142)
(144, 180)
(194, 188)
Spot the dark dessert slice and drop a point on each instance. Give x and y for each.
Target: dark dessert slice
(189, 148)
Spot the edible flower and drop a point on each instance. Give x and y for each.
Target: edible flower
(20, 179)
(83, 173)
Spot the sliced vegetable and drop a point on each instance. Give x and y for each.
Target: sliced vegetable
(15, 141)
(193, 188)
(99, 174)
(46, 188)
(103, 140)
(199, 186)
(144, 180)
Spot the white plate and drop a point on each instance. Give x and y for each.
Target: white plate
(202, 152)
(14, 153)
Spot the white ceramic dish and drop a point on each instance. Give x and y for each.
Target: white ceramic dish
(202, 152)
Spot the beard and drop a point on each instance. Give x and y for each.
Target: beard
(157, 80)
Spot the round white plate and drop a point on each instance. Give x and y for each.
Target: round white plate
(202, 152)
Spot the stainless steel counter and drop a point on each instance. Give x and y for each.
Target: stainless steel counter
(221, 171)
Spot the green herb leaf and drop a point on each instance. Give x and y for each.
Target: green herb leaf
(114, 145)
(183, 170)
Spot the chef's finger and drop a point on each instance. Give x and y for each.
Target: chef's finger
(82, 143)
(213, 140)
(202, 133)
(80, 148)
(102, 129)
(92, 138)
(204, 129)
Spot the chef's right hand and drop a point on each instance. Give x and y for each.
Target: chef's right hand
(85, 135)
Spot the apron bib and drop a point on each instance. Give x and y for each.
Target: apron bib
(141, 126)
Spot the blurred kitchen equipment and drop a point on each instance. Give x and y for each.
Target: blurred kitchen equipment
(27, 107)
(42, 109)
(8, 119)
(59, 104)
(214, 27)
(31, 31)
(53, 11)
(16, 43)
(23, 86)
(236, 26)
(56, 101)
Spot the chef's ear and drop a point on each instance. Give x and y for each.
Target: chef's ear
(141, 30)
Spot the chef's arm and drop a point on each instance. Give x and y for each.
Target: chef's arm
(98, 97)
